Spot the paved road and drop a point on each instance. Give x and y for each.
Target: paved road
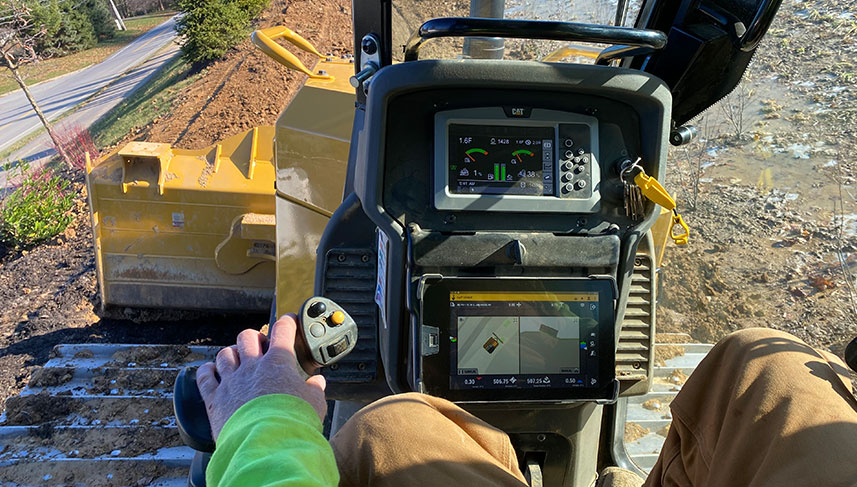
(57, 96)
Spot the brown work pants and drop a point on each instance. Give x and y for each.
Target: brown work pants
(762, 409)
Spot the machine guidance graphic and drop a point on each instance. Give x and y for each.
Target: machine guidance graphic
(494, 345)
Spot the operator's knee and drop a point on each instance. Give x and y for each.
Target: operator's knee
(393, 422)
(756, 348)
(390, 416)
(763, 355)
(749, 336)
(405, 439)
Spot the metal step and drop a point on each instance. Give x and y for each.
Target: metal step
(99, 414)
(646, 418)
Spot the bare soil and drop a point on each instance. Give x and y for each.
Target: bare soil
(773, 235)
(247, 88)
(634, 431)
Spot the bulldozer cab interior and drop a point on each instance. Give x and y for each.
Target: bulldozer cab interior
(490, 244)
(489, 197)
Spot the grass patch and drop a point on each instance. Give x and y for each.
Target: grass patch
(153, 99)
(51, 68)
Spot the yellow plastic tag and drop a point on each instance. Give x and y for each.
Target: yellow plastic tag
(654, 191)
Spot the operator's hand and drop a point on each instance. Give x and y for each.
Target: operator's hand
(246, 372)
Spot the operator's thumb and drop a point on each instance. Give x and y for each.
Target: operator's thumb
(317, 381)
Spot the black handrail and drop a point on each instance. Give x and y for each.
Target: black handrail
(759, 25)
(530, 29)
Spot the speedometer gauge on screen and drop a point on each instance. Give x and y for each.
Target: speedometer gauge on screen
(520, 339)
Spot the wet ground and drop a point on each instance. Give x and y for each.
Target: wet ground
(769, 192)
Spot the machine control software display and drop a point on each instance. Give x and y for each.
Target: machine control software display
(500, 160)
(521, 340)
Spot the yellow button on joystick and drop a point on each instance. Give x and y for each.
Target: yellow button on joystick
(337, 318)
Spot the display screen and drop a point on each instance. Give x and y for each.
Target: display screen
(518, 339)
(523, 339)
(501, 160)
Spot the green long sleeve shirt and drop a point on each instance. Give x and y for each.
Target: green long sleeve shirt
(273, 440)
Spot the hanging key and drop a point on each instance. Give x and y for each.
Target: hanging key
(637, 202)
(646, 186)
(626, 196)
(631, 193)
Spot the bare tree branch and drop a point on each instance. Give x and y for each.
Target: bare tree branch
(18, 47)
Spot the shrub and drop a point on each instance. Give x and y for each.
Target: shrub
(76, 32)
(39, 209)
(76, 141)
(67, 29)
(209, 28)
(103, 24)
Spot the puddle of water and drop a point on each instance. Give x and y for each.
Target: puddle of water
(799, 179)
(799, 151)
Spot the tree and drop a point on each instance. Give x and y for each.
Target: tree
(17, 41)
(209, 28)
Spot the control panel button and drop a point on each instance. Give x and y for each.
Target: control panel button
(580, 184)
(576, 160)
(584, 160)
(569, 142)
(580, 151)
(566, 178)
(316, 309)
(578, 169)
(569, 154)
(337, 318)
(568, 188)
(567, 166)
(317, 330)
(338, 347)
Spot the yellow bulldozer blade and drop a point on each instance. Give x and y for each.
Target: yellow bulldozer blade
(191, 229)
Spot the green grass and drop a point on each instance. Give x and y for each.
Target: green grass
(51, 68)
(150, 101)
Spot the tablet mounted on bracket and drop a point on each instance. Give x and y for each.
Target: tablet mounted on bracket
(517, 339)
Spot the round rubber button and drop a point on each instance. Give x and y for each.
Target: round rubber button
(337, 318)
(316, 330)
(316, 309)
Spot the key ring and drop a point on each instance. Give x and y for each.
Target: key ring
(629, 167)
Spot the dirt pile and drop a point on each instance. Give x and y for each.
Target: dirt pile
(761, 263)
(247, 88)
(773, 237)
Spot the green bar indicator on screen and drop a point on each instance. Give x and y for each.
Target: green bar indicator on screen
(503, 172)
(496, 172)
